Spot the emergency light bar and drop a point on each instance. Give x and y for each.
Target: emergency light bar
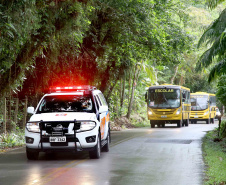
(71, 88)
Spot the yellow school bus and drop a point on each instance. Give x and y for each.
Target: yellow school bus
(203, 107)
(168, 104)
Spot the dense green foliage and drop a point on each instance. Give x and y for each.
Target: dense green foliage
(221, 89)
(214, 36)
(72, 41)
(118, 46)
(13, 139)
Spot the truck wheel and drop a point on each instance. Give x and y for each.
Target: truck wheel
(32, 155)
(95, 154)
(106, 146)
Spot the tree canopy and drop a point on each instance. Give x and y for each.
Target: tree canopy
(82, 41)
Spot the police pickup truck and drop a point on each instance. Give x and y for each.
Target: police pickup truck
(73, 118)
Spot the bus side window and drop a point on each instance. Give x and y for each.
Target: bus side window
(187, 97)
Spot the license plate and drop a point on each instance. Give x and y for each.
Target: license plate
(57, 139)
(163, 116)
(196, 117)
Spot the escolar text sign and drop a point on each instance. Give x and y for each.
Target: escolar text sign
(164, 90)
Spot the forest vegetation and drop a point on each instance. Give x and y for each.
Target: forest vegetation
(121, 47)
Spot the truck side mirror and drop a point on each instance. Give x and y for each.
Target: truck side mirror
(30, 110)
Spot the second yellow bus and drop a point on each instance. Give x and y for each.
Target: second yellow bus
(203, 107)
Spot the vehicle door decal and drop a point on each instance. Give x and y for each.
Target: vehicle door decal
(108, 117)
(102, 126)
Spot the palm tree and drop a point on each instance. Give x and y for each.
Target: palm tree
(215, 35)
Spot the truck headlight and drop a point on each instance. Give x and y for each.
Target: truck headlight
(85, 126)
(33, 127)
(207, 112)
(178, 111)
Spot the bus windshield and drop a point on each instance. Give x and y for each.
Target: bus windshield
(199, 102)
(164, 98)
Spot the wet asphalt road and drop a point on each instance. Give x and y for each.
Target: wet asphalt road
(144, 156)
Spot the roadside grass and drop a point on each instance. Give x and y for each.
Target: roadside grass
(139, 120)
(214, 148)
(11, 140)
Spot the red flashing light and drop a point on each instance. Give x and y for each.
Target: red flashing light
(72, 88)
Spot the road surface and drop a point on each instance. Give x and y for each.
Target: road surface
(143, 156)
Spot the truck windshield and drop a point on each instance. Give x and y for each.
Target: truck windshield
(199, 102)
(66, 103)
(164, 98)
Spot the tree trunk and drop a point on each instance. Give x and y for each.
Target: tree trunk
(135, 78)
(129, 86)
(16, 110)
(123, 84)
(175, 74)
(181, 80)
(25, 113)
(111, 89)
(5, 115)
(123, 91)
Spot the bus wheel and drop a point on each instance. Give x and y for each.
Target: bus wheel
(213, 120)
(208, 121)
(179, 123)
(152, 125)
(187, 123)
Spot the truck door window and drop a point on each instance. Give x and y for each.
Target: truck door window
(99, 100)
(97, 103)
(102, 99)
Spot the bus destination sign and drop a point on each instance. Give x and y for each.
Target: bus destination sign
(164, 90)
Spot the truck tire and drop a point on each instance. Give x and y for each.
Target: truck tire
(95, 154)
(106, 146)
(32, 155)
